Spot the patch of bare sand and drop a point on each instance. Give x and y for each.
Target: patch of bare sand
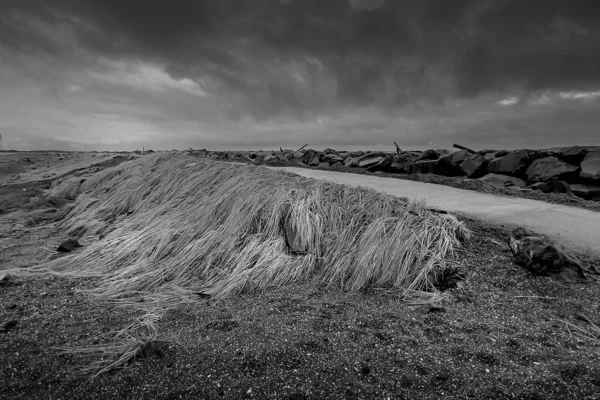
(24, 167)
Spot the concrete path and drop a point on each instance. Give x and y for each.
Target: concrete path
(574, 228)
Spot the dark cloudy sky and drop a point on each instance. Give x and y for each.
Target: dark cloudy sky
(248, 74)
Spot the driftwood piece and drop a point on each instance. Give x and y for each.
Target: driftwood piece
(398, 149)
(302, 147)
(458, 146)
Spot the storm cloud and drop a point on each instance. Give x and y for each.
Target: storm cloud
(269, 73)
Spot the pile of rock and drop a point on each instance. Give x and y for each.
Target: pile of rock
(573, 170)
(540, 256)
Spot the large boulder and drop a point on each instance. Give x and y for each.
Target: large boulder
(351, 162)
(586, 192)
(502, 181)
(382, 165)
(590, 167)
(422, 167)
(428, 155)
(490, 156)
(514, 164)
(373, 154)
(269, 156)
(370, 161)
(332, 158)
(573, 155)
(449, 165)
(474, 166)
(314, 161)
(308, 156)
(260, 153)
(551, 169)
(540, 256)
(399, 163)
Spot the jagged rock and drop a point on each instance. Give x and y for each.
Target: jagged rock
(367, 162)
(449, 165)
(269, 156)
(502, 181)
(373, 154)
(514, 164)
(331, 158)
(68, 246)
(351, 162)
(337, 165)
(490, 156)
(586, 192)
(550, 169)
(298, 154)
(324, 165)
(314, 161)
(400, 162)
(474, 166)
(381, 166)
(355, 154)
(288, 156)
(308, 156)
(422, 167)
(551, 187)
(538, 154)
(590, 167)
(540, 256)
(428, 155)
(573, 155)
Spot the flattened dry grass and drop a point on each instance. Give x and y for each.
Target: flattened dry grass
(222, 229)
(172, 229)
(589, 333)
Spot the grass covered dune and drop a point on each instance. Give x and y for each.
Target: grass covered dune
(173, 226)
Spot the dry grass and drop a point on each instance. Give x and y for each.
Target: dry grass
(175, 229)
(589, 333)
(127, 344)
(220, 229)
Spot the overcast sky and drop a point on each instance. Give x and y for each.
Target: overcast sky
(347, 74)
